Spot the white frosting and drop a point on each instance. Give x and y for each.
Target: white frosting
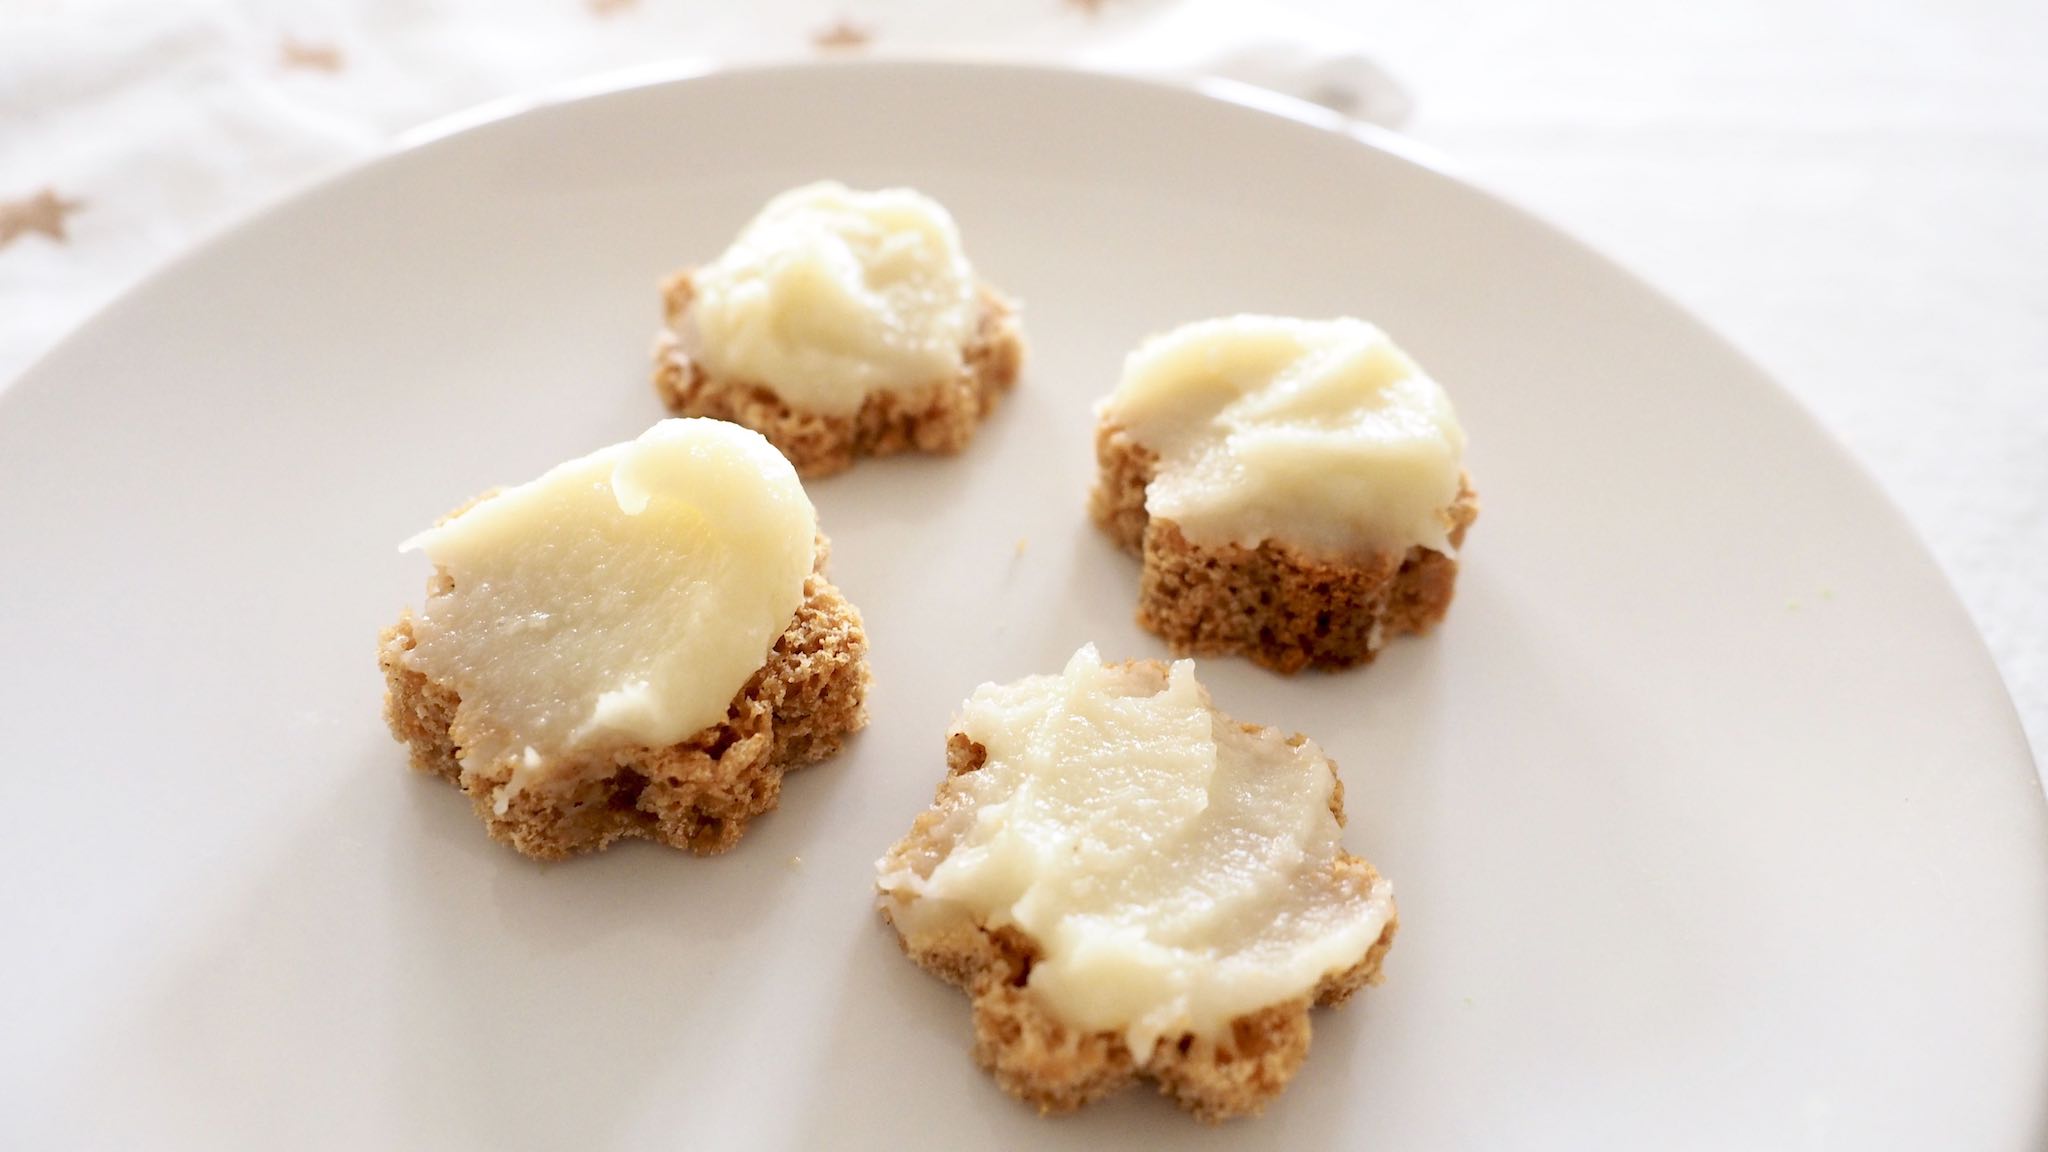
(1173, 868)
(1318, 433)
(831, 294)
(623, 598)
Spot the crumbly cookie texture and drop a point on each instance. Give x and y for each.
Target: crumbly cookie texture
(697, 794)
(1272, 604)
(1057, 1068)
(940, 419)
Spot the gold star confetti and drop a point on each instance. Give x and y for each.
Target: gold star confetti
(310, 56)
(842, 35)
(608, 7)
(43, 212)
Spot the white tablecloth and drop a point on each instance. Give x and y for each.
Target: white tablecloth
(1857, 194)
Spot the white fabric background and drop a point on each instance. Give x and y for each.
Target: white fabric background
(1855, 192)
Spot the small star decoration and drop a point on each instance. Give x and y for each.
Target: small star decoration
(310, 56)
(43, 212)
(842, 35)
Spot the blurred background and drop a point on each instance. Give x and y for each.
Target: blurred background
(1854, 193)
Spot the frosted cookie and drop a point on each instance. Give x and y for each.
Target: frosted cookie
(638, 643)
(1128, 883)
(1295, 488)
(840, 324)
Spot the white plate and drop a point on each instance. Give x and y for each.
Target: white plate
(1711, 824)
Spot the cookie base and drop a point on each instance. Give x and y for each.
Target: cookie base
(1056, 1068)
(697, 794)
(1278, 607)
(941, 418)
